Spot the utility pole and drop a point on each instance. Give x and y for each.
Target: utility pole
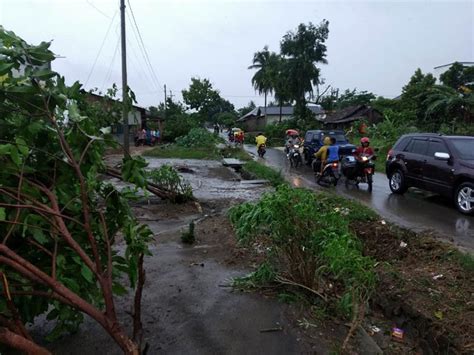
(126, 143)
(166, 104)
(171, 95)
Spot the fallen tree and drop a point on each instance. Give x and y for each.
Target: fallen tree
(58, 220)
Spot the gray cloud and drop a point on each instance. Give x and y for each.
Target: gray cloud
(373, 45)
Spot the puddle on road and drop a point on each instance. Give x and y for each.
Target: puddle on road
(210, 180)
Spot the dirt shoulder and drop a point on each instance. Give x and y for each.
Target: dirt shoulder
(425, 287)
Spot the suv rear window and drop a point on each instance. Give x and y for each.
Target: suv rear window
(417, 146)
(464, 147)
(340, 138)
(309, 137)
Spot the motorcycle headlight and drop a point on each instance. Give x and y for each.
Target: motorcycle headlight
(296, 146)
(364, 159)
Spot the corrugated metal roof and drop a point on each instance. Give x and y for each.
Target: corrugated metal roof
(275, 111)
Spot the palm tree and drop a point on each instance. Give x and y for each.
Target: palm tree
(279, 81)
(445, 101)
(262, 79)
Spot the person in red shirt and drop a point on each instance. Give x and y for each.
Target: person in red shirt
(364, 148)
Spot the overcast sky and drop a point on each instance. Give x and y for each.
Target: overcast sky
(373, 45)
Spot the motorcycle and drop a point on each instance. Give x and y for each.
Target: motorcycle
(359, 171)
(330, 174)
(294, 155)
(261, 150)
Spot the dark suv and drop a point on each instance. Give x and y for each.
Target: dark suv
(313, 140)
(437, 163)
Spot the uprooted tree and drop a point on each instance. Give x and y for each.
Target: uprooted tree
(59, 220)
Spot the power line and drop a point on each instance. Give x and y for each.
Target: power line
(100, 49)
(98, 10)
(109, 71)
(139, 68)
(143, 45)
(142, 52)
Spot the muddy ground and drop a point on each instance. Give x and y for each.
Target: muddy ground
(189, 306)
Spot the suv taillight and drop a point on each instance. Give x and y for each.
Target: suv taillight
(390, 154)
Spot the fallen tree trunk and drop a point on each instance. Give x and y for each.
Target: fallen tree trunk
(155, 189)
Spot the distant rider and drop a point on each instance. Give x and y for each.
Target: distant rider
(290, 142)
(363, 150)
(260, 139)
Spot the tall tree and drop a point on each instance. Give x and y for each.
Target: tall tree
(279, 79)
(353, 97)
(447, 105)
(415, 93)
(303, 49)
(201, 96)
(458, 76)
(262, 79)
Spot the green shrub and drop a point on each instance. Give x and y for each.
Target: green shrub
(178, 126)
(308, 239)
(197, 137)
(169, 179)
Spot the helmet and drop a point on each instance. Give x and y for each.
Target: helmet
(364, 140)
(327, 140)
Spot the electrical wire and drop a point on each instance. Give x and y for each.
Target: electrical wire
(100, 49)
(98, 10)
(142, 52)
(143, 45)
(109, 71)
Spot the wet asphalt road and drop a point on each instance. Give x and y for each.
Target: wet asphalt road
(416, 210)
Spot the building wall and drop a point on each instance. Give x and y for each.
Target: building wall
(275, 119)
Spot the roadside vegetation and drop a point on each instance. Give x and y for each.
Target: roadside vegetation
(198, 143)
(308, 244)
(60, 219)
(339, 258)
(254, 169)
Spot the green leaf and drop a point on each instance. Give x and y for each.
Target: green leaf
(3, 215)
(44, 74)
(5, 149)
(15, 156)
(87, 273)
(21, 89)
(119, 290)
(5, 68)
(22, 146)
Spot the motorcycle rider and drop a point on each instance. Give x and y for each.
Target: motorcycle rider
(290, 142)
(363, 150)
(260, 139)
(328, 153)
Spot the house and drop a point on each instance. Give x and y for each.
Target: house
(440, 69)
(260, 117)
(136, 116)
(346, 117)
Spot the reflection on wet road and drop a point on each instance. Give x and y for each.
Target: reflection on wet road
(416, 210)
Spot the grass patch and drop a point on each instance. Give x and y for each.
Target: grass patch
(235, 152)
(178, 152)
(264, 172)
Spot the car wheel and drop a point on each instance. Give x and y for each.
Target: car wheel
(464, 198)
(397, 182)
